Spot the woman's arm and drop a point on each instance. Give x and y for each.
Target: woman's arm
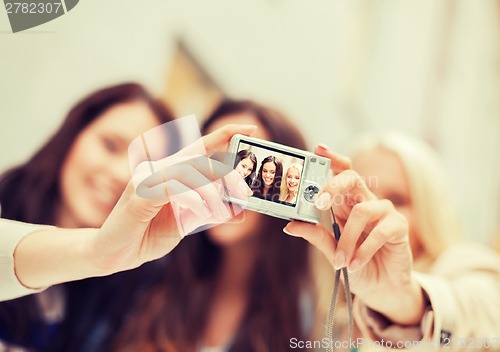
(374, 244)
(53, 255)
(138, 230)
(458, 299)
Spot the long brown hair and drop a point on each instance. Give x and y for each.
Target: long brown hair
(173, 315)
(242, 155)
(258, 185)
(30, 192)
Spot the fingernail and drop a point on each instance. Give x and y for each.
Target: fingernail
(339, 260)
(323, 201)
(354, 265)
(224, 212)
(249, 126)
(285, 230)
(243, 187)
(324, 146)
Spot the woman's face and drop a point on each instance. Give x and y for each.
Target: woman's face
(384, 174)
(229, 234)
(245, 167)
(292, 179)
(268, 173)
(96, 170)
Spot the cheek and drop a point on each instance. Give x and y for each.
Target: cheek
(75, 168)
(81, 166)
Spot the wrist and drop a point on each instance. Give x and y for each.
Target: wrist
(405, 306)
(52, 256)
(101, 261)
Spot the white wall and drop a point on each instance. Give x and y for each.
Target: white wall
(337, 67)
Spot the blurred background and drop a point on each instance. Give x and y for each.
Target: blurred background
(428, 68)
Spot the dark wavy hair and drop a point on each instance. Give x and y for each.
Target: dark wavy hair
(30, 193)
(173, 315)
(274, 190)
(242, 155)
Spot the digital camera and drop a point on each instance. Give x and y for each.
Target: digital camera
(284, 180)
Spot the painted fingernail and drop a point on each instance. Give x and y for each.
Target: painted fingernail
(323, 201)
(250, 128)
(354, 265)
(285, 230)
(243, 187)
(324, 146)
(339, 260)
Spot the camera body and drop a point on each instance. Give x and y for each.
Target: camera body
(285, 181)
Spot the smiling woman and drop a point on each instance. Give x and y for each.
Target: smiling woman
(73, 181)
(95, 170)
(290, 187)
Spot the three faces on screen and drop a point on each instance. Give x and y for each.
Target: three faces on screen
(268, 178)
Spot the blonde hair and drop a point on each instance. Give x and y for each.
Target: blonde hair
(433, 210)
(284, 189)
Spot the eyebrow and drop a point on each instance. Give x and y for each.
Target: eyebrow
(113, 135)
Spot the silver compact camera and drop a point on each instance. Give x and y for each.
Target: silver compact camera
(285, 181)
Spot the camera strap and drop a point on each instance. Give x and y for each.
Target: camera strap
(333, 302)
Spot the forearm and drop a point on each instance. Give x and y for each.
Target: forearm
(52, 256)
(405, 306)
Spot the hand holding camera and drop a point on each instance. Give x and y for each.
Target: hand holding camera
(182, 197)
(285, 181)
(374, 244)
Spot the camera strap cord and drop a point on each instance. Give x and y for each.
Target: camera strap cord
(333, 302)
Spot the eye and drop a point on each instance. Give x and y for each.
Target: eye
(110, 145)
(398, 200)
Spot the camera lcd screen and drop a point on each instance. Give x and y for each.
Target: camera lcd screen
(272, 174)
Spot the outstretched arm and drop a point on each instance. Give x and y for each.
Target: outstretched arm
(138, 230)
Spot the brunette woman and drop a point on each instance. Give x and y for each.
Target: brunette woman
(73, 181)
(245, 164)
(243, 287)
(268, 182)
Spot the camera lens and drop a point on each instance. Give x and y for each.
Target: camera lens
(310, 193)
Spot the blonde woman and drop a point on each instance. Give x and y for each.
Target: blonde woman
(414, 279)
(289, 188)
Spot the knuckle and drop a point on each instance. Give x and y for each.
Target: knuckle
(348, 163)
(387, 204)
(350, 173)
(360, 210)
